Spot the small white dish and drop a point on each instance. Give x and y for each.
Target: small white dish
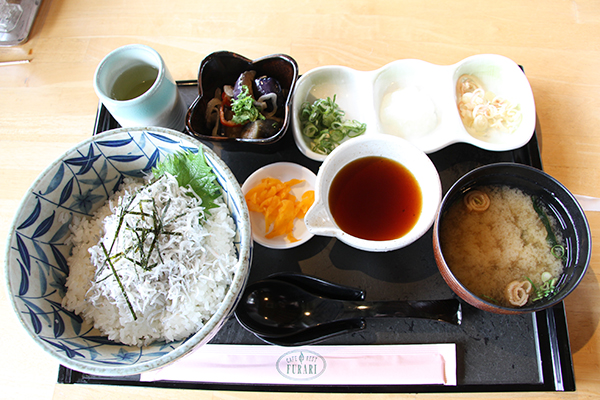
(284, 171)
(361, 94)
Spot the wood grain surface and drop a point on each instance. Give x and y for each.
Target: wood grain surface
(48, 105)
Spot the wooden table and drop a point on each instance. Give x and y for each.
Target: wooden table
(48, 105)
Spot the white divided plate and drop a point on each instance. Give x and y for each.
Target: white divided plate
(284, 171)
(360, 94)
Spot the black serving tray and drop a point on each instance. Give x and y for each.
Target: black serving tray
(495, 353)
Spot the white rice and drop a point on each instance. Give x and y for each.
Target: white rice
(172, 299)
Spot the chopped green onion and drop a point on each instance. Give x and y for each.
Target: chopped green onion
(336, 135)
(545, 289)
(322, 122)
(558, 251)
(490, 299)
(310, 130)
(535, 289)
(244, 110)
(546, 276)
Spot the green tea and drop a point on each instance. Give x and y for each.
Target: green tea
(134, 82)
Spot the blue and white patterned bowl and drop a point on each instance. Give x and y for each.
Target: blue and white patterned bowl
(78, 183)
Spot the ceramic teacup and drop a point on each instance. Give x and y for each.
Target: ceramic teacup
(136, 87)
(319, 218)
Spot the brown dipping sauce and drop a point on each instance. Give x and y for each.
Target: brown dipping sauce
(375, 198)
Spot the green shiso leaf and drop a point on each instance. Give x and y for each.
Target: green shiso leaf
(191, 169)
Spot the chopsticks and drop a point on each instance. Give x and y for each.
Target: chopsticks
(7, 63)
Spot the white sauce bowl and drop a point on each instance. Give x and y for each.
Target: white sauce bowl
(319, 219)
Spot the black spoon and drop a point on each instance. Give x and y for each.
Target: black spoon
(317, 334)
(295, 309)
